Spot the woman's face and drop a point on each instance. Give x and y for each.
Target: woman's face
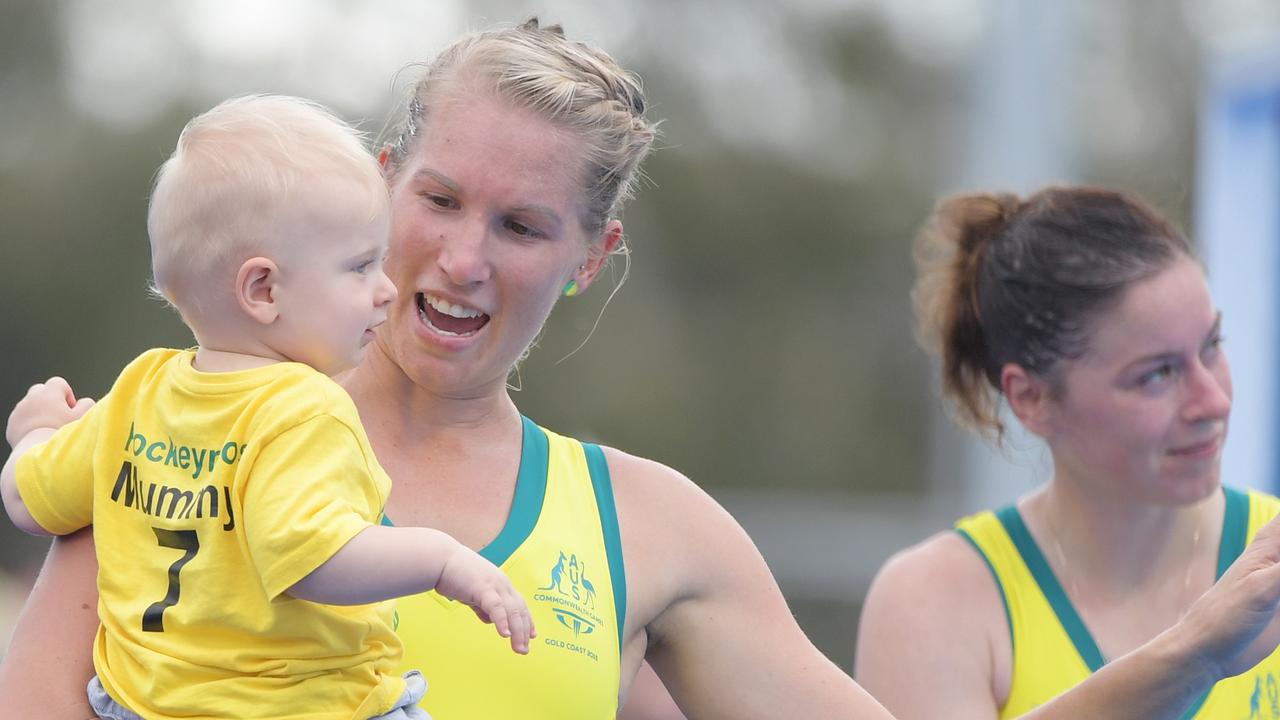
(1143, 413)
(486, 232)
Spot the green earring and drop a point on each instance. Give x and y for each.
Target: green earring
(571, 288)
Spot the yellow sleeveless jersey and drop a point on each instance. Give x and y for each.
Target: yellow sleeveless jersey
(561, 549)
(1053, 650)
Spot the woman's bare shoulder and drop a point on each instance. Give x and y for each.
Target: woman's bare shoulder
(935, 608)
(945, 558)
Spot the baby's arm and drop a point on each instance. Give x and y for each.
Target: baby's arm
(384, 562)
(46, 407)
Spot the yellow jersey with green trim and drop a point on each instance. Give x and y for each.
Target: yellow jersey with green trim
(210, 494)
(561, 549)
(1052, 648)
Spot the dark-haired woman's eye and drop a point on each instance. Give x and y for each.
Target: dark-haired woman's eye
(1156, 376)
(1211, 349)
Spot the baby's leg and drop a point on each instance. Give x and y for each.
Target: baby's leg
(415, 686)
(106, 707)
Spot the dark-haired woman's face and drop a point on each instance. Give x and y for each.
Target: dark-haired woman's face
(1143, 413)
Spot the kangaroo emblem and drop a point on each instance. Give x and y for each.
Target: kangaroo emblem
(557, 573)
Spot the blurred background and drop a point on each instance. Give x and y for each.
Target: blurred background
(763, 341)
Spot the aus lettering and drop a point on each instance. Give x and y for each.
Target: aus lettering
(167, 452)
(164, 501)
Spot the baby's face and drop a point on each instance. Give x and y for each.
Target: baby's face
(332, 290)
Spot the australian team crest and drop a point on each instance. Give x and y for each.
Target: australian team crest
(1264, 708)
(572, 597)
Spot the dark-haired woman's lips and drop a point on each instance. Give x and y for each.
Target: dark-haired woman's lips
(1198, 451)
(449, 319)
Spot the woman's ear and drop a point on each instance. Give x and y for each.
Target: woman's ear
(256, 284)
(598, 252)
(1029, 397)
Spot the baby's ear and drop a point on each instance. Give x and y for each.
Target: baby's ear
(256, 289)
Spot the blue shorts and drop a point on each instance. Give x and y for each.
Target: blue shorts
(406, 708)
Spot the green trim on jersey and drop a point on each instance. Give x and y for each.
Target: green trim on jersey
(1004, 600)
(603, 485)
(531, 490)
(561, 550)
(1053, 650)
(1011, 519)
(1235, 528)
(1235, 531)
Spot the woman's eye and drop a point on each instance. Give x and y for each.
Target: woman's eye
(519, 228)
(1156, 376)
(440, 201)
(1213, 346)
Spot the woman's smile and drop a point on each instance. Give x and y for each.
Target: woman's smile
(449, 319)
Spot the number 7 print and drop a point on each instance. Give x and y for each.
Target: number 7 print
(153, 618)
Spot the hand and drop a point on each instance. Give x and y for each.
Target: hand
(1235, 622)
(50, 404)
(469, 578)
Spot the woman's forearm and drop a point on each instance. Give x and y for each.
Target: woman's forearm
(1159, 680)
(50, 659)
(1228, 630)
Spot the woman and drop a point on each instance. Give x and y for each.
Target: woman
(509, 170)
(1087, 314)
(506, 181)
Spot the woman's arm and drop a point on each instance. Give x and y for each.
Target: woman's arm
(50, 660)
(705, 606)
(648, 699)
(717, 631)
(921, 615)
(1228, 630)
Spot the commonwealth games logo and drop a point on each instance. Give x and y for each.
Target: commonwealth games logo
(571, 595)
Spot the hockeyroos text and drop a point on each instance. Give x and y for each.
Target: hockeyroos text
(167, 452)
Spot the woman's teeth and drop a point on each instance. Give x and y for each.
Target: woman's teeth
(450, 309)
(446, 318)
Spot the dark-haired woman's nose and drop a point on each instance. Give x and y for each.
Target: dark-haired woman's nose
(1208, 391)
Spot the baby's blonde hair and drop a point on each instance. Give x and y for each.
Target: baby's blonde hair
(240, 172)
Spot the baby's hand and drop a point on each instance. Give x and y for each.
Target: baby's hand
(50, 404)
(469, 578)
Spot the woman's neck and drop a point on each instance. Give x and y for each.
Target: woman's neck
(397, 409)
(453, 460)
(1117, 543)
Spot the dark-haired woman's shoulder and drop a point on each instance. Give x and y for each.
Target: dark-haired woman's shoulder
(933, 639)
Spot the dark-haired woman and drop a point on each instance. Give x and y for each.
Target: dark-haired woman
(1088, 315)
